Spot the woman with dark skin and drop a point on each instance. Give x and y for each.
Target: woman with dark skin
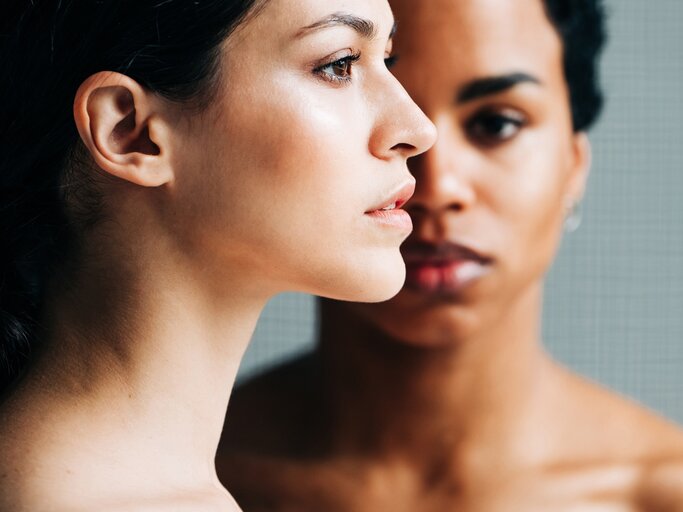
(167, 167)
(443, 398)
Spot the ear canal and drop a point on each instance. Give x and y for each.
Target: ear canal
(127, 138)
(146, 145)
(120, 135)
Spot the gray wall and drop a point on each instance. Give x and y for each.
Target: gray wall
(614, 305)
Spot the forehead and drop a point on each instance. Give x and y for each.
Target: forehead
(479, 37)
(283, 19)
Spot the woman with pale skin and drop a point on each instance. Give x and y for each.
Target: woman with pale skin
(443, 398)
(168, 167)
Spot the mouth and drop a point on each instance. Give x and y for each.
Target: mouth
(390, 213)
(397, 199)
(444, 269)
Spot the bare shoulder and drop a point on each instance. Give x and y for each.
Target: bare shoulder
(22, 447)
(182, 502)
(270, 413)
(271, 455)
(615, 426)
(68, 500)
(50, 464)
(268, 387)
(60, 493)
(661, 489)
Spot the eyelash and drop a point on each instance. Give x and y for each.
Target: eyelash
(488, 137)
(391, 61)
(349, 60)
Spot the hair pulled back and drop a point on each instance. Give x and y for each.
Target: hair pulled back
(47, 49)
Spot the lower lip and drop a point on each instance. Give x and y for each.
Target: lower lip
(397, 219)
(446, 278)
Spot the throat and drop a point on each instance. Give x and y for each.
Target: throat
(407, 402)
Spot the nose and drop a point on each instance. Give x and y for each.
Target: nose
(443, 183)
(402, 130)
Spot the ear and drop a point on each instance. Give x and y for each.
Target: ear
(120, 124)
(581, 166)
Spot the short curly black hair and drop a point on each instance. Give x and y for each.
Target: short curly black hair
(581, 26)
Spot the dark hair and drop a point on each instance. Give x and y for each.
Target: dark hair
(581, 26)
(47, 49)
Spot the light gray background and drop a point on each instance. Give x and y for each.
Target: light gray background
(614, 299)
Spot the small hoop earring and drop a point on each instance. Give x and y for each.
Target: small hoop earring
(574, 217)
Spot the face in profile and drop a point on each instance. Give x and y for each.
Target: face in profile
(297, 172)
(494, 191)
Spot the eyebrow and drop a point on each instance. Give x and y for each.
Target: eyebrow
(493, 85)
(364, 27)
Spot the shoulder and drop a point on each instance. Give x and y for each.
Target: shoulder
(271, 412)
(274, 383)
(263, 483)
(67, 500)
(610, 426)
(213, 501)
(661, 488)
(271, 456)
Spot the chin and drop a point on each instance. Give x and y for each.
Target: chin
(383, 289)
(412, 321)
(371, 280)
(447, 335)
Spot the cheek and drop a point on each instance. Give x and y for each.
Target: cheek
(284, 180)
(530, 200)
(297, 167)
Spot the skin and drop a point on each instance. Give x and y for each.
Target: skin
(207, 216)
(443, 397)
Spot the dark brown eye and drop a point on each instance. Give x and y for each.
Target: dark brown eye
(391, 61)
(339, 70)
(495, 127)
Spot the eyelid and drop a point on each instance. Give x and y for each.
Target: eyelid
(348, 58)
(501, 110)
(391, 60)
(510, 115)
(334, 57)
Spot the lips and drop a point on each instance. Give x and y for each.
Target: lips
(443, 269)
(388, 213)
(397, 199)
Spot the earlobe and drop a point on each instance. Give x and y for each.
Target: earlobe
(118, 123)
(581, 166)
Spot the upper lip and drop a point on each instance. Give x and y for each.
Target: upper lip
(398, 198)
(443, 252)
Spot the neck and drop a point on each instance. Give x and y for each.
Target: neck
(148, 355)
(475, 398)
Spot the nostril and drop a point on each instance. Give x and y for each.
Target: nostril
(404, 148)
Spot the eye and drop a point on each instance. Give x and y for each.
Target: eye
(495, 127)
(339, 70)
(390, 61)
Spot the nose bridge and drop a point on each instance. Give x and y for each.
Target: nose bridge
(442, 180)
(401, 127)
